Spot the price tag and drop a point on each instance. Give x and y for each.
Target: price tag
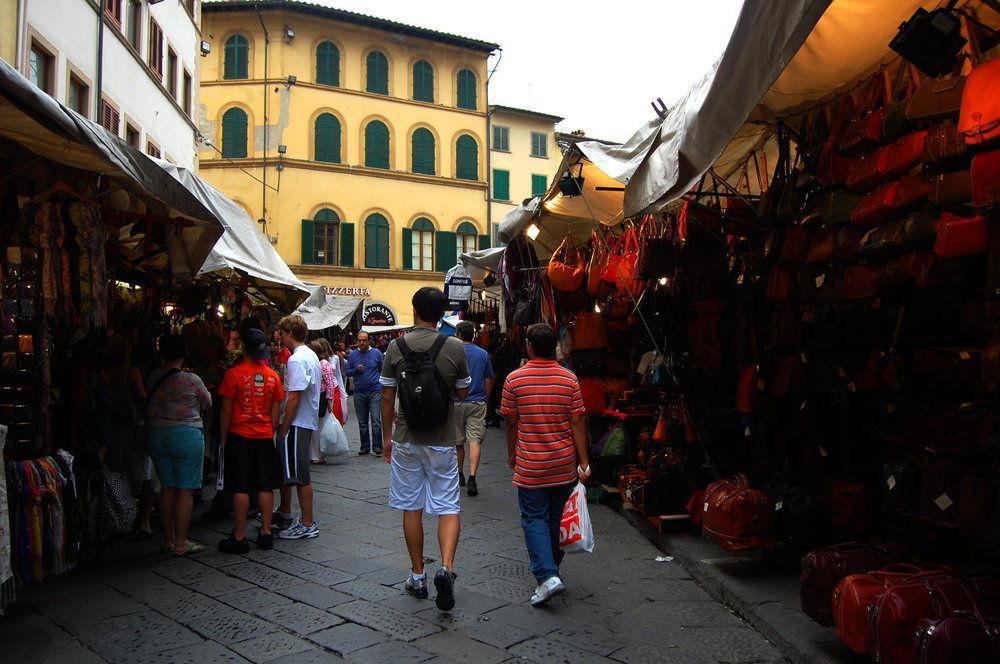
(802, 406)
(891, 481)
(943, 502)
(705, 508)
(746, 432)
(778, 505)
(820, 280)
(822, 452)
(841, 372)
(891, 408)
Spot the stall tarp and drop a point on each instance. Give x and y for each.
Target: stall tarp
(481, 263)
(243, 246)
(335, 311)
(42, 125)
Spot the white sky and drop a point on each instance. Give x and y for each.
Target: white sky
(599, 65)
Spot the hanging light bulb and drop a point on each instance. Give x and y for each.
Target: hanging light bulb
(533, 231)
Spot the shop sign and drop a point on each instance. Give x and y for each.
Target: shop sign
(378, 314)
(350, 292)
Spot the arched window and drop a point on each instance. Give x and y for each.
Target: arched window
(423, 151)
(237, 57)
(420, 245)
(377, 66)
(467, 89)
(423, 81)
(327, 141)
(376, 241)
(234, 133)
(376, 145)
(327, 64)
(326, 237)
(465, 239)
(466, 158)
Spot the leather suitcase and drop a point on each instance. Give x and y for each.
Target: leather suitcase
(894, 616)
(823, 570)
(979, 116)
(963, 639)
(737, 517)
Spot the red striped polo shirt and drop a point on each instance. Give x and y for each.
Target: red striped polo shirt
(544, 396)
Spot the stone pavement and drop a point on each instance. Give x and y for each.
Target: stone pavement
(340, 596)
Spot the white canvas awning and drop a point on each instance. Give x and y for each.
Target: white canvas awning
(321, 311)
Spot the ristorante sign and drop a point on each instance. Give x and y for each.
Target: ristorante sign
(350, 292)
(378, 314)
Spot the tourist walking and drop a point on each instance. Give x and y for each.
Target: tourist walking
(329, 401)
(364, 364)
(547, 450)
(427, 371)
(176, 400)
(338, 363)
(470, 413)
(248, 461)
(299, 422)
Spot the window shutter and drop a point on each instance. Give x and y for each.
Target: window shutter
(347, 245)
(376, 145)
(466, 90)
(539, 185)
(423, 81)
(484, 242)
(423, 152)
(407, 249)
(445, 251)
(236, 57)
(327, 64)
(327, 138)
(383, 246)
(308, 254)
(376, 241)
(467, 158)
(378, 73)
(501, 185)
(234, 134)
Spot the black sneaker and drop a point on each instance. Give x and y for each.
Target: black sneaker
(444, 581)
(416, 587)
(362, 452)
(461, 478)
(377, 450)
(230, 545)
(473, 487)
(265, 541)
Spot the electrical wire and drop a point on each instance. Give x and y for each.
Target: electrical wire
(230, 159)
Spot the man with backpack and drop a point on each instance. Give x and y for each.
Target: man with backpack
(427, 371)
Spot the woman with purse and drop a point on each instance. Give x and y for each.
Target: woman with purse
(330, 401)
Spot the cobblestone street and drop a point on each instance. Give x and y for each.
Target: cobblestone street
(341, 595)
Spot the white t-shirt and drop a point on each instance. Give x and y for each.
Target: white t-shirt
(304, 374)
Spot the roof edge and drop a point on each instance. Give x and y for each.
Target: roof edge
(525, 111)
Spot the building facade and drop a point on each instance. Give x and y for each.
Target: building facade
(136, 73)
(359, 143)
(524, 157)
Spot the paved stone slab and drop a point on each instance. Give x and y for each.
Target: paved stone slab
(261, 575)
(270, 647)
(189, 607)
(647, 653)
(346, 638)
(186, 572)
(594, 638)
(549, 651)
(538, 621)
(254, 600)
(726, 645)
(316, 595)
(514, 592)
(362, 550)
(33, 638)
(300, 618)
(116, 639)
(390, 622)
(368, 590)
(495, 633)
(206, 652)
(78, 611)
(315, 656)
(460, 649)
(390, 651)
(232, 626)
(386, 576)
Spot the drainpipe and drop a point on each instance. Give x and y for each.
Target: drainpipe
(100, 64)
(489, 154)
(267, 57)
(22, 34)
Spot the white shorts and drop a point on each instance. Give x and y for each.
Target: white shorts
(424, 478)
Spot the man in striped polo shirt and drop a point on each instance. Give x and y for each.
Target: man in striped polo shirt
(547, 449)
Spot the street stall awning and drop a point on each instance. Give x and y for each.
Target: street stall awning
(482, 263)
(48, 129)
(321, 311)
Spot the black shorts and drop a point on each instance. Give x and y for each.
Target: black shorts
(249, 465)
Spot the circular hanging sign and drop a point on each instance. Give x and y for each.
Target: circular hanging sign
(378, 314)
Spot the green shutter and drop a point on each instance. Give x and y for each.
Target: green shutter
(347, 245)
(308, 230)
(327, 64)
(501, 185)
(236, 57)
(376, 241)
(467, 158)
(327, 138)
(383, 246)
(423, 81)
(423, 151)
(378, 73)
(484, 242)
(445, 251)
(376, 145)
(407, 249)
(234, 134)
(466, 97)
(539, 185)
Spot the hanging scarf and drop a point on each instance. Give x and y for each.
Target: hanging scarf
(91, 237)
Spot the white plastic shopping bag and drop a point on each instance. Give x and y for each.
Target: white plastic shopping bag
(332, 440)
(576, 535)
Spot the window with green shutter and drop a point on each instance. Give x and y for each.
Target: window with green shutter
(466, 158)
(234, 133)
(346, 244)
(423, 151)
(465, 238)
(501, 139)
(376, 241)
(237, 58)
(377, 66)
(484, 242)
(327, 64)
(327, 141)
(377, 145)
(539, 144)
(308, 231)
(445, 255)
(466, 97)
(539, 185)
(423, 81)
(501, 185)
(326, 238)
(421, 245)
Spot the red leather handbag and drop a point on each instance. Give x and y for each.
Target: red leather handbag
(865, 131)
(737, 517)
(894, 615)
(859, 282)
(566, 271)
(897, 195)
(962, 639)
(592, 390)
(902, 156)
(833, 167)
(822, 246)
(626, 279)
(985, 173)
(612, 258)
(961, 236)
(596, 285)
(951, 188)
(589, 332)
(870, 170)
(823, 570)
(979, 117)
(944, 142)
(793, 248)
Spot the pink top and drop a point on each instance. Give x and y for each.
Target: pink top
(329, 385)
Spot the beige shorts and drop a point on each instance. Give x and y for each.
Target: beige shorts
(470, 422)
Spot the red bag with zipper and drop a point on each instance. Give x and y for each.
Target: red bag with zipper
(902, 156)
(566, 271)
(967, 638)
(896, 195)
(834, 168)
(865, 131)
(738, 517)
(823, 570)
(596, 285)
(961, 236)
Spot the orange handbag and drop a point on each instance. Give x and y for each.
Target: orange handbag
(979, 117)
(595, 267)
(626, 278)
(566, 272)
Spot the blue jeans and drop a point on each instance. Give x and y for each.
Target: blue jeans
(369, 405)
(541, 512)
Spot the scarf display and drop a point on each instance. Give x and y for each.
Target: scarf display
(91, 236)
(38, 538)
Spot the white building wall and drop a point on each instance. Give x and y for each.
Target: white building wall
(68, 28)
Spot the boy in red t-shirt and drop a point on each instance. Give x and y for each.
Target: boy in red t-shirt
(251, 398)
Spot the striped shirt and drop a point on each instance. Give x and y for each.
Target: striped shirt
(544, 396)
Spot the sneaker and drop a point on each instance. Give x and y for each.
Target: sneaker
(377, 450)
(548, 589)
(417, 587)
(473, 487)
(363, 452)
(280, 522)
(444, 581)
(461, 478)
(299, 531)
(230, 545)
(265, 541)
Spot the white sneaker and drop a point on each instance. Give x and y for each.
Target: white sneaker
(551, 587)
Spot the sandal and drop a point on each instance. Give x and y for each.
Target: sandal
(189, 548)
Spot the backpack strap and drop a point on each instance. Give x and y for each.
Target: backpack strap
(169, 373)
(436, 347)
(403, 348)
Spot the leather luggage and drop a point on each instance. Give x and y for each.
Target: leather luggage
(960, 639)
(961, 236)
(895, 614)
(896, 195)
(985, 175)
(738, 517)
(979, 117)
(943, 142)
(936, 99)
(823, 570)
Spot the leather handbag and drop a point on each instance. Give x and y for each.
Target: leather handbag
(836, 207)
(895, 614)
(821, 246)
(869, 171)
(823, 570)
(612, 258)
(951, 188)
(865, 130)
(847, 241)
(881, 238)
(895, 196)
(793, 247)
(833, 167)
(596, 285)
(920, 225)
(943, 142)
(985, 174)
(737, 517)
(979, 116)
(746, 389)
(859, 282)
(936, 99)
(966, 638)
(589, 331)
(566, 269)
(626, 279)
(961, 236)
(592, 390)
(902, 156)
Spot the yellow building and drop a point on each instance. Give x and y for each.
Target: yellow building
(523, 157)
(360, 143)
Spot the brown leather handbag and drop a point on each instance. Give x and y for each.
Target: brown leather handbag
(936, 99)
(823, 570)
(951, 188)
(737, 517)
(943, 142)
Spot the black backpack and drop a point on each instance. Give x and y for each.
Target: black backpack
(424, 395)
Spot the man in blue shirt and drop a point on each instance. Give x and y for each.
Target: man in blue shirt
(470, 413)
(365, 365)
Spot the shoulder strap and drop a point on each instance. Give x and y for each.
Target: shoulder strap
(159, 383)
(436, 347)
(403, 348)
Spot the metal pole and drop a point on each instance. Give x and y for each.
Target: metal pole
(267, 57)
(100, 64)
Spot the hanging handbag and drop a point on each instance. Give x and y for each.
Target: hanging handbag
(779, 284)
(902, 156)
(951, 188)
(961, 236)
(985, 175)
(821, 247)
(979, 114)
(869, 171)
(896, 123)
(746, 389)
(881, 238)
(897, 195)
(794, 244)
(612, 258)
(833, 167)
(865, 131)
(566, 272)
(920, 225)
(595, 266)
(626, 279)
(836, 207)
(592, 390)
(936, 99)
(943, 142)
(657, 254)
